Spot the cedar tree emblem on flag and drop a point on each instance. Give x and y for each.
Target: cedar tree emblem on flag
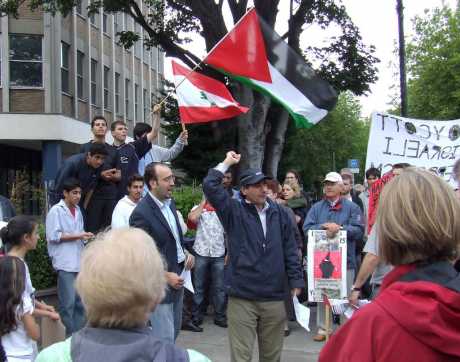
(201, 98)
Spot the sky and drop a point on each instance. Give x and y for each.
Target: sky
(378, 24)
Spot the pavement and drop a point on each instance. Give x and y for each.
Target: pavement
(213, 342)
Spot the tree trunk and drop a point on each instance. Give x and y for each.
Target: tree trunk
(274, 145)
(252, 127)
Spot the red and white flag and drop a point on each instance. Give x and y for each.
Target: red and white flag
(201, 98)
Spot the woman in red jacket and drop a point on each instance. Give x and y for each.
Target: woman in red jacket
(416, 316)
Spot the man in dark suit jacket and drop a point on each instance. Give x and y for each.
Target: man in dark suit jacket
(156, 214)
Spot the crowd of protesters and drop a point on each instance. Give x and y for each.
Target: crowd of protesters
(121, 291)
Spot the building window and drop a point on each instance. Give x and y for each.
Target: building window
(93, 81)
(136, 102)
(106, 87)
(92, 18)
(127, 97)
(104, 23)
(26, 67)
(79, 7)
(1, 53)
(117, 93)
(80, 67)
(138, 44)
(125, 18)
(65, 50)
(146, 104)
(117, 18)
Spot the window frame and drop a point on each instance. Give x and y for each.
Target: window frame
(106, 88)
(79, 8)
(117, 93)
(127, 86)
(145, 101)
(12, 86)
(93, 81)
(65, 69)
(136, 101)
(81, 77)
(105, 23)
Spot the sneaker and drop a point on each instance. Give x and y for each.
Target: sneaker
(319, 338)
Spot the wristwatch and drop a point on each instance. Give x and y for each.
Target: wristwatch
(355, 289)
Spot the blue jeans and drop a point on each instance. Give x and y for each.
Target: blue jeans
(70, 305)
(213, 268)
(166, 319)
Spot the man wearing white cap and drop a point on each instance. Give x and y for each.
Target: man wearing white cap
(333, 214)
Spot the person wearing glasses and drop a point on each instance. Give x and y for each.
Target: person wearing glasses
(157, 215)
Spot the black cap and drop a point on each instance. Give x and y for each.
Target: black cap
(251, 177)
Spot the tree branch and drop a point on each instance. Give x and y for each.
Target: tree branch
(171, 49)
(296, 22)
(238, 9)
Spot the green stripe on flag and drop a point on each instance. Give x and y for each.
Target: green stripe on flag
(300, 121)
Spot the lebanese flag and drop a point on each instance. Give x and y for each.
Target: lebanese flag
(255, 55)
(201, 98)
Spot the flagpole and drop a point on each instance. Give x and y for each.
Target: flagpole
(198, 65)
(175, 88)
(234, 26)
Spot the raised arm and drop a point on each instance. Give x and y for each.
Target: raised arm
(215, 191)
(153, 134)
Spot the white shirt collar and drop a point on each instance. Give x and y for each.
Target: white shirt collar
(264, 209)
(160, 204)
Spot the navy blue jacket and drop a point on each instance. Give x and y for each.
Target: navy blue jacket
(258, 264)
(77, 167)
(105, 190)
(129, 155)
(148, 217)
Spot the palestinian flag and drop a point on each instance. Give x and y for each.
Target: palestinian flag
(201, 98)
(255, 55)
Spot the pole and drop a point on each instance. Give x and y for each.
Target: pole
(402, 58)
(327, 310)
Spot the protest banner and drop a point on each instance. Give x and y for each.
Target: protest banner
(326, 265)
(432, 145)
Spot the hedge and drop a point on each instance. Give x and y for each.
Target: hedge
(41, 270)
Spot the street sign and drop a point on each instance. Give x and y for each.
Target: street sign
(354, 170)
(353, 163)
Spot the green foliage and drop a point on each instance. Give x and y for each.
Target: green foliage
(186, 197)
(342, 132)
(433, 62)
(345, 62)
(41, 271)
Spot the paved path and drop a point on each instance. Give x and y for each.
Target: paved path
(213, 342)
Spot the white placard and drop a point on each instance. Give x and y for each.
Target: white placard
(422, 143)
(326, 265)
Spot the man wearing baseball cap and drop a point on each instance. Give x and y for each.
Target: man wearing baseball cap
(262, 251)
(333, 214)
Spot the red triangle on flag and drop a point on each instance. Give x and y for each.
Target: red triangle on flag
(242, 51)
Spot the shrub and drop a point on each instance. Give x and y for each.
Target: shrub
(186, 197)
(41, 270)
